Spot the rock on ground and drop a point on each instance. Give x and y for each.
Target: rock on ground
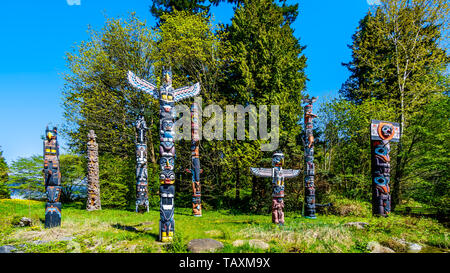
(7, 249)
(204, 245)
(411, 247)
(414, 248)
(258, 244)
(25, 222)
(375, 247)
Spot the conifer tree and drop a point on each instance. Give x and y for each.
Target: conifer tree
(4, 191)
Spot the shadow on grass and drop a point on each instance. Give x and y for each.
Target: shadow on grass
(135, 230)
(126, 228)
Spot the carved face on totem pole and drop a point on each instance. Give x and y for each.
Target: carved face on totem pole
(278, 159)
(167, 177)
(51, 134)
(166, 163)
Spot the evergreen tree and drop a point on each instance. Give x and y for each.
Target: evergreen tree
(4, 191)
(398, 58)
(266, 68)
(159, 7)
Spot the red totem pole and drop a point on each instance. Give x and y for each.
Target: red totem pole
(381, 133)
(195, 168)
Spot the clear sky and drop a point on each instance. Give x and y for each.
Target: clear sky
(36, 34)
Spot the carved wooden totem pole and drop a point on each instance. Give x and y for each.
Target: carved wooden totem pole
(278, 175)
(141, 165)
(93, 184)
(381, 133)
(167, 98)
(52, 176)
(310, 197)
(195, 168)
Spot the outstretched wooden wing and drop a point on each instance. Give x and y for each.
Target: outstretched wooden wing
(262, 172)
(287, 173)
(186, 92)
(142, 84)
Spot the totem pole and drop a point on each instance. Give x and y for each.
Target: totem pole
(93, 184)
(278, 175)
(310, 198)
(195, 168)
(381, 133)
(167, 97)
(141, 165)
(52, 176)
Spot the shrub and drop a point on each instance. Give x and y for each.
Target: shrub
(347, 207)
(117, 181)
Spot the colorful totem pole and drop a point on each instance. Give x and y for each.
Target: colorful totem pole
(381, 133)
(310, 198)
(141, 165)
(52, 176)
(93, 184)
(278, 175)
(195, 168)
(167, 97)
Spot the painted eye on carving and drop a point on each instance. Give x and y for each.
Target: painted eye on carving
(164, 97)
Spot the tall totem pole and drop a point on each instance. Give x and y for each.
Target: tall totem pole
(310, 198)
(167, 98)
(93, 200)
(381, 133)
(52, 176)
(278, 175)
(141, 165)
(195, 168)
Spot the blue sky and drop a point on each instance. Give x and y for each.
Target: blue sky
(37, 34)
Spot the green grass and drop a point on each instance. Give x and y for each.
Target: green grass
(112, 230)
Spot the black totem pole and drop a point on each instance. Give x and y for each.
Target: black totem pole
(381, 133)
(52, 176)
(141, 165)
(167, 98)
(310, 197)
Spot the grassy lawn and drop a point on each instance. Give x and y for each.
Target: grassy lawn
(112, 230)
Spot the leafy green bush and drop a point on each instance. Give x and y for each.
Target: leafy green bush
(347, 207)
(117, 181)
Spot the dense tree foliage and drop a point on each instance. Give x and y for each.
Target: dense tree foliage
(266, 68)
(73, 177)
(232, 68)
(4, 191)
(398, 72)
(27, 178)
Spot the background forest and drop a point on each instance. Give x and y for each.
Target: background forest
(399, 73)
